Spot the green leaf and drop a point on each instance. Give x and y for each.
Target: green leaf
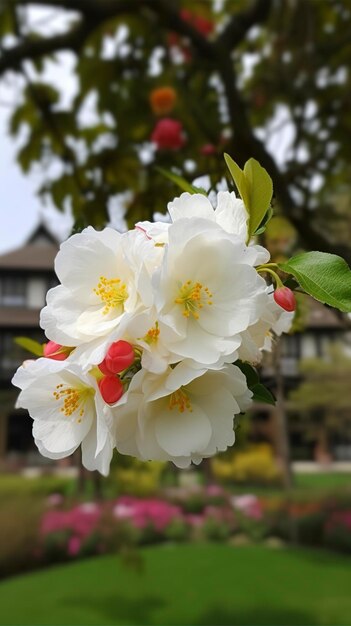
(239, 179)
(29, 344)
(260, 189)
(249, 372)
(262, 227)
(326, 277)
(262, 394)
(256, 189)
(181, 182)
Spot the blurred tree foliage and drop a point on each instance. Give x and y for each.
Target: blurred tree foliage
(243, 73)
(323, 399)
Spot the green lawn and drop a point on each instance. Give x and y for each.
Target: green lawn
(306, 485)
(190, 584)
(311, 485)
(320, 481)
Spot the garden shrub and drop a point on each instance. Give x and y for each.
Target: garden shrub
(256, 529)
(254, 465)
(138, 478)
(337, 531)
(195, 503)
(19, 524)
(216, 529)
(178, 530)
(310, 528)
(13, 487)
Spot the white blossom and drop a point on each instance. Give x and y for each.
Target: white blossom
(183, 415)
(104, 277)
(67, 412)
(206, 292)
(258, 338)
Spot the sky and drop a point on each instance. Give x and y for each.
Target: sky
(21, 209)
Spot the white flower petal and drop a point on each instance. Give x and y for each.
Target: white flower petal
(181, 434)
(190, 205)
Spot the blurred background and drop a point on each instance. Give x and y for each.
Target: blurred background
(95, 97)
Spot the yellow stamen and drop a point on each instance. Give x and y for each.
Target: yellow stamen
(152, 334)
(112, 292)
(73, 399)
(193, 297)
(181, 400)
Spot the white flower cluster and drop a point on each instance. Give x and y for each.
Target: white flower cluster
(143, 329)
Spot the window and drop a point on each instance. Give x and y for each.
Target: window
(291, 346)
(52, 282)
(13, 291)
(11, 354)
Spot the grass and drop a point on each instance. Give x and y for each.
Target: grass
(306, 485)
(312, 485)
(200, 584)
(326, 481)
(12, 486)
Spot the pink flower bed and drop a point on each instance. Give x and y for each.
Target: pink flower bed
(339, 518)
(86, 521)
(141, 513)
(249, 505)
(82, 520)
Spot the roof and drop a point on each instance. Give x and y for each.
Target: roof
(42, 232)
(37, 253)
(19, 317)
(30, 257)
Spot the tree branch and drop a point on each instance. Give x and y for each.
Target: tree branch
(95, 12)
(12, 58)
(240, 23)
(246, 145)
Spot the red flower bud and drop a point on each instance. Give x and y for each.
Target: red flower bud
(285, 298)
(120, 355)
(51, 351)
(168, 134)
(111, 389)
(104, 369)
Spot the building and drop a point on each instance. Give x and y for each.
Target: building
(25, 276)
(322, 328)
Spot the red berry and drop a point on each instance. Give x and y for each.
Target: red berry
(285, 298)
(203, 25)
(162, 100)
(120, 355)
(207, 149)
(173, 39)
(52, 351)
(111, 389)
(168, 134)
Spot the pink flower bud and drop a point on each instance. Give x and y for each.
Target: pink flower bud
(120, 355)
(55, 351)
(111, 389)
(285, 298)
